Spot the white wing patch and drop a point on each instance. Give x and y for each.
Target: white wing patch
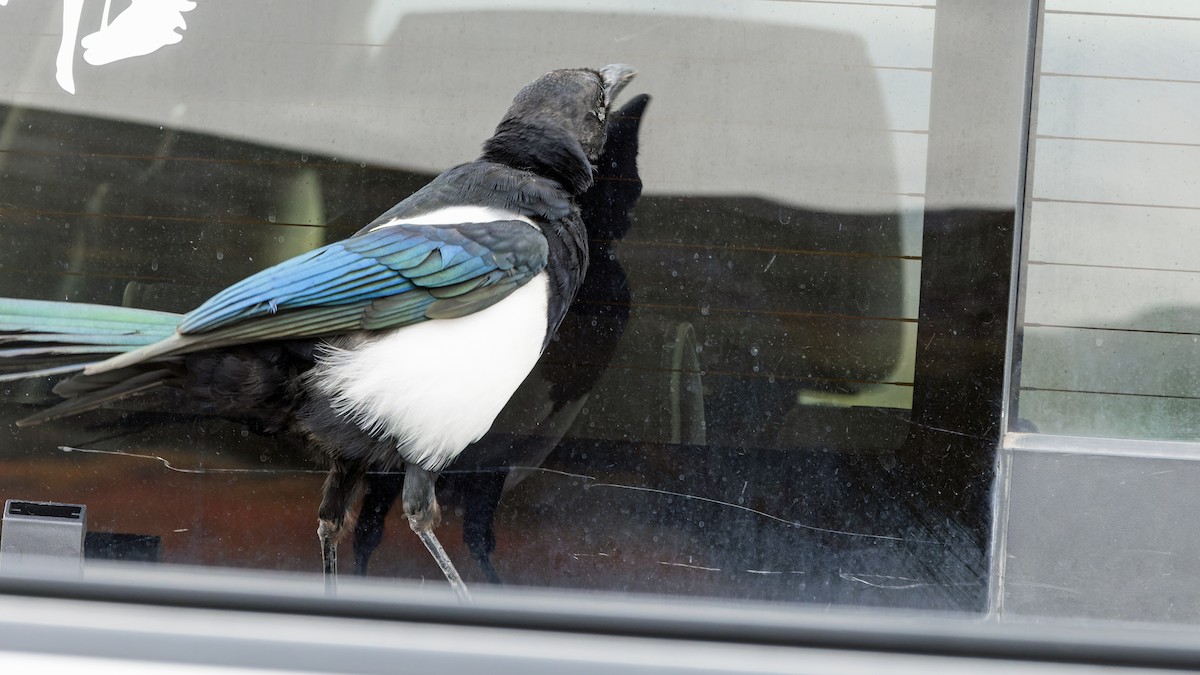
(457, 214)
(437, 386)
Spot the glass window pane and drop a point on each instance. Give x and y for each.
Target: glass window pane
(732, 406)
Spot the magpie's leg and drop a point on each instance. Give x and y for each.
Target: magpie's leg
(341, 486)
(421, 507)
(382, 489)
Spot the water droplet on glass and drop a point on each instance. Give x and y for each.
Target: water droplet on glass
(154, 265)
(37, 188)
(754, 351)
(704, 310)
(303, 158)
(220, 255)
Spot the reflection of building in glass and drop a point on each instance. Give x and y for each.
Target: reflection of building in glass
(1111, 309)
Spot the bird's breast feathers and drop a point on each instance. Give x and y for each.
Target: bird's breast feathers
(436, 386)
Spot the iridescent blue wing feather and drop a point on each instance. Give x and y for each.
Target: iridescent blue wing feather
(390, 277)
(394, 275)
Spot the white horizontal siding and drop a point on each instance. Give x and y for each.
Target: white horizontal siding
(1112, 361)
(1131, 110)
(1114, 236)
(1111, 337)
(1109, 415)
(1122, 173)
(1151, 300)
(1121, 46)
(905, 97)
(1171, 8)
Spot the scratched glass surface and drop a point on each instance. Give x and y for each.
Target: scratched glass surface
(733, 386)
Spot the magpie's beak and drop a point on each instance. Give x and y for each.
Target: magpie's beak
(615, 76)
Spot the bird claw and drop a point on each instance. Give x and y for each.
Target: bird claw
(327, 534)
(424, 518)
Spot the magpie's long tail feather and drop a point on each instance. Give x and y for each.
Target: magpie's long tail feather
(40, 338)
(59, 328)
(125, 325)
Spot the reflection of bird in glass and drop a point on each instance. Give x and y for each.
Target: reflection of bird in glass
(395, 347)
(551, 397)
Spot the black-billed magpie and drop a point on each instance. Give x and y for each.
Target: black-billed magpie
(394, 348)
(551, 398)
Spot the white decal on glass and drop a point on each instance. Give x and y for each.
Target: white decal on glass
(143, 28)
(65, 62)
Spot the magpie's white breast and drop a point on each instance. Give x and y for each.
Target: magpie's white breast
(436, 386)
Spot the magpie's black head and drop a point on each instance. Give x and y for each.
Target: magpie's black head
(557, 125)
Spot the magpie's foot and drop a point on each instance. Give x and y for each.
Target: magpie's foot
(424, 515)
(327, 533)
(341, 486)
